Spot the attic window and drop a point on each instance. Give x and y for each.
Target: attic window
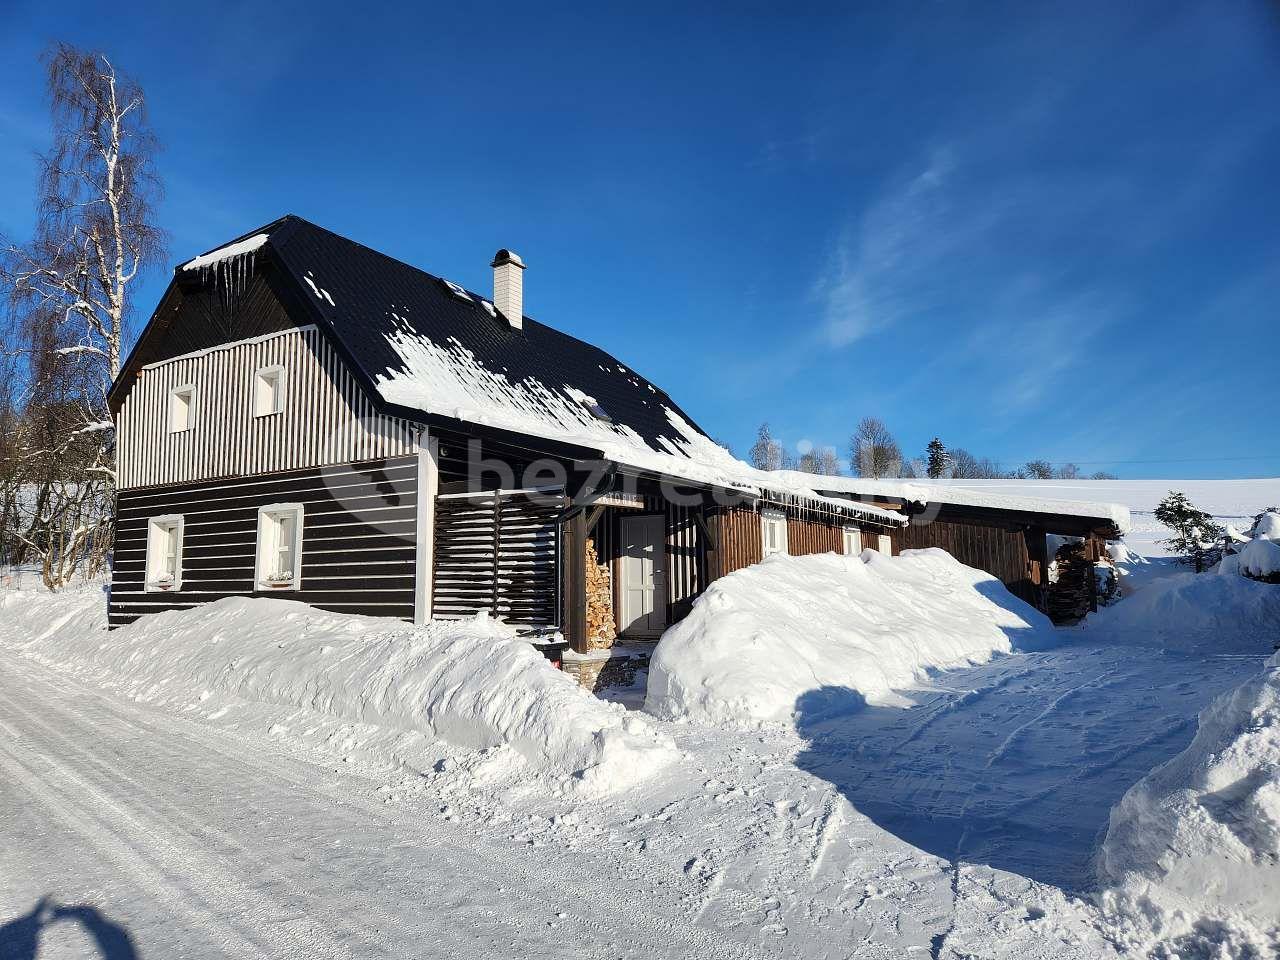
(181, 413)
(456, 290)
(268, 391)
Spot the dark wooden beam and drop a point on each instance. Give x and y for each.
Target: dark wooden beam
(574, 559)
(593, 518)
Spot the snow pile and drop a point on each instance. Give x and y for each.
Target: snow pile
(471, 683)
(1192, 855)
(761, 637)
(1196, 611)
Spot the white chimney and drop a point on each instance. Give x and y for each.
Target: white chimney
(508, 287)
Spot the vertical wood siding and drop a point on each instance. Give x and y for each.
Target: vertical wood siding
(327, 418)
(1001, 551)
(809, 536)
(738, 530)
(740, 537)
(358, 539)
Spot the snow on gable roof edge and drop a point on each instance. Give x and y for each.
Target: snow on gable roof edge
(230, 251)
(923, 493)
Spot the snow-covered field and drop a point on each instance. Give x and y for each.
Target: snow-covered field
(1230, 501)
(260, 779)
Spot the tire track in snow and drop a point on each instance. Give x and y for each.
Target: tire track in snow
(625, 922)
(1054, 705)
(149, 852)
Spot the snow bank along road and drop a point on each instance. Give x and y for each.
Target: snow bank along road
(198, 842)
(216, 827)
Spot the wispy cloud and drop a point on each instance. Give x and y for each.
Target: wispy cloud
(874, 277)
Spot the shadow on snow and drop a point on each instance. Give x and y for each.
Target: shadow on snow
(1016, 763)
(20, 937)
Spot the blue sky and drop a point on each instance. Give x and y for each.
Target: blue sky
(1043, 231)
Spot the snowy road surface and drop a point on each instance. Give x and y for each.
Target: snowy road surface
(215, 828)
(195, 842)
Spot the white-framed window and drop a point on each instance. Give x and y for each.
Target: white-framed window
(884, 544)
(268, 391)
(182, 408)
(164, 554)
(773, 532)
(279, 563)
(852, 541)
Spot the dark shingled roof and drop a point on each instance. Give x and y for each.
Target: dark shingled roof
(367, 287)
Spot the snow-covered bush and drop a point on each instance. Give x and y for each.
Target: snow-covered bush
(472, 684)
(861, 627)
(1192, 856)
(1266, 525)
(1258, 558)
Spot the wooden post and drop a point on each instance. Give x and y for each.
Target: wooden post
(574, 558)
(1038, 551)
(425, 525)
(1092, 553)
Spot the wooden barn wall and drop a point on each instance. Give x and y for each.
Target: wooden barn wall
(809, 536)
(327, 418)
(740, 537)
(1000, 550)
(500, 555)
(357, 548)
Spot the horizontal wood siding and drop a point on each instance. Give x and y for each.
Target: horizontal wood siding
(327, 418)
(1000, 550)
(358, 543)
(499, 555)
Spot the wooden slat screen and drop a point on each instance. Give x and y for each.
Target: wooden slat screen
(498, 553)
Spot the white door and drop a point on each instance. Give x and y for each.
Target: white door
(643, 590)
(884, 545)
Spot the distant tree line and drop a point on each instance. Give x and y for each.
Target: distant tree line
(875, 453)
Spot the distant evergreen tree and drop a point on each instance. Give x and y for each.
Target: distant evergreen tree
(1037, 470)
(1196, 536)
(938, 460)
(766, 452)
(1103, 475)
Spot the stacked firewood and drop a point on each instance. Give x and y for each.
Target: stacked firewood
(1070, 594)
(601, 629)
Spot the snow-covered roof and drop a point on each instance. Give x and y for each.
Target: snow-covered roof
(914, 491)
(424, 344)
(229, 252)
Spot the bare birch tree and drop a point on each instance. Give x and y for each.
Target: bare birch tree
(873, 450)
(69, 293)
